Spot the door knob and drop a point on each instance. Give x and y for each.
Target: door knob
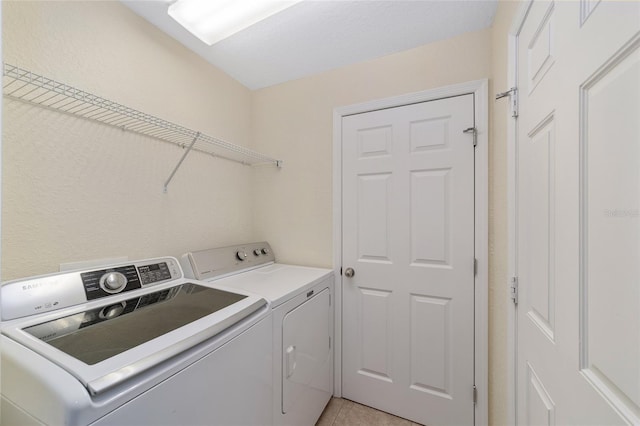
(349, 272)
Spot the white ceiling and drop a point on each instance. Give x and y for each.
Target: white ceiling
(319, 35)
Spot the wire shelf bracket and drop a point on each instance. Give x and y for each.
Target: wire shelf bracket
(26, 86)
(175, 169)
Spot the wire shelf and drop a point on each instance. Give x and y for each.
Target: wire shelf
(36, 89)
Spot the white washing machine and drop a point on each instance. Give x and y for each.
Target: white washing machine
(134, 344)
(301, 299)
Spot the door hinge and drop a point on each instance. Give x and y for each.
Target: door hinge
(475, 266)
(341, 271)
(475, 395)
(474, 131)
(514, 290)
(513, 100)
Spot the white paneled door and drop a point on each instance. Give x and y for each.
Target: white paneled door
(408, 238)
(577, 214)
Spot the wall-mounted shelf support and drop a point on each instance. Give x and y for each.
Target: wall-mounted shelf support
(38, 90)
(186, 152)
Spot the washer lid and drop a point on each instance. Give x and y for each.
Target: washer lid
(277, 282)
(108, 344)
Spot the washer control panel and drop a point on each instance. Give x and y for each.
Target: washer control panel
(46, 293)
(156, 272)
(104, 282)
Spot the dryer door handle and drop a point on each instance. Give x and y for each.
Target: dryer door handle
(291, 360)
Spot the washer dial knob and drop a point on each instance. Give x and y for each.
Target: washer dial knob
(265, 251)
(241, 255)
(113, 282)
(257, 252)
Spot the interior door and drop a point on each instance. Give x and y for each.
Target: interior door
(577, 214)
(408, 235)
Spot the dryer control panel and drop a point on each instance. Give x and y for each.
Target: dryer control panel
(46, 293)
(222, 261)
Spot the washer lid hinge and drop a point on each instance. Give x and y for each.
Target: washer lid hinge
(514, 290)
(474, 131)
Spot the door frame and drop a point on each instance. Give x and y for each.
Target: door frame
(512, 240)
(478, 88)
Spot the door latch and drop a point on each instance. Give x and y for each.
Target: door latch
(474, 131)
(513, 98)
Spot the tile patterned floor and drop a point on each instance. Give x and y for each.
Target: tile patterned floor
(342, 412)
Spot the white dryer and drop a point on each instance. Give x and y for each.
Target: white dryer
(301, 300)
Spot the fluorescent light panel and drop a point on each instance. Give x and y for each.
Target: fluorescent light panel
(215, 20)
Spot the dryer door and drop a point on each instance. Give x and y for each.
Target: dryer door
(306, 351)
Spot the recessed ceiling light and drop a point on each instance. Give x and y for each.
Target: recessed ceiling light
(215, 20)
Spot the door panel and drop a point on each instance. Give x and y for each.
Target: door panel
(612, 232)
(577, 220)
(408, 231)
(430, 192)
(373, 217)
(540, 407)
(374, 329)
(431, 340)
(536, 224)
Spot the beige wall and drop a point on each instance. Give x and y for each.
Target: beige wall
(294, 121)
(498, 289)
(74, 190)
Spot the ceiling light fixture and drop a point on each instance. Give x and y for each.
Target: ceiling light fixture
(215, 20)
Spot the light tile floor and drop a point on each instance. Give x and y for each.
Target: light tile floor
(342, 412)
